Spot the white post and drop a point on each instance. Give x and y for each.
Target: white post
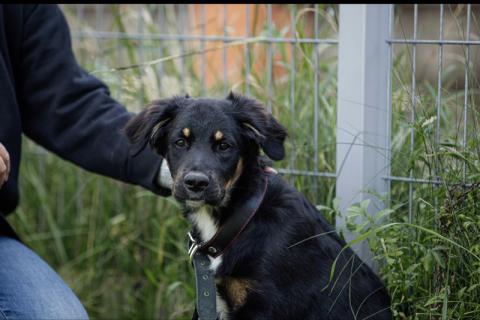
(362, 102)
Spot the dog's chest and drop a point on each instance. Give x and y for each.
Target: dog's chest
(207, 227)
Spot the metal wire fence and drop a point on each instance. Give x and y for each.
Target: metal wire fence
(287, 56)
(200, 42)
(189, 28)
(406, 127)
(456, 129)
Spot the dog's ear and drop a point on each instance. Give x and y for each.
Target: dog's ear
(152, 124)
(259, 125)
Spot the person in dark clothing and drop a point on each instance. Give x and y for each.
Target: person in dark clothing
(47, 96)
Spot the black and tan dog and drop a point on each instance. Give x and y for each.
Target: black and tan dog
(212, 147)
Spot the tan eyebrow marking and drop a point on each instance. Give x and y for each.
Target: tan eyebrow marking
(186, 132)
(218, 135)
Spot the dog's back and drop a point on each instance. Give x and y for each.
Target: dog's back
(286, 255)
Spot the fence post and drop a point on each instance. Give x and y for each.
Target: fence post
(362, 114)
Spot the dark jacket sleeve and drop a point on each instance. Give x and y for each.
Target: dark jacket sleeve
(70, 112)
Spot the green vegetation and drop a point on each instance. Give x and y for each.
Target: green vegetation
(123, 250)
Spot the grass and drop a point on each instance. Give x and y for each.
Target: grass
(123, 250)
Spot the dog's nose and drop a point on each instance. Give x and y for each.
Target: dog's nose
(196, 181)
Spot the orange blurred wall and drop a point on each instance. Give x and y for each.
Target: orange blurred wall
(236, 26)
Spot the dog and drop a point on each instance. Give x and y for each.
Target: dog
(281, 264)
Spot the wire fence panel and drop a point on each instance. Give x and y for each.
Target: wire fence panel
(283, 55)
(443, 129)
(287, 57)
(434, 154)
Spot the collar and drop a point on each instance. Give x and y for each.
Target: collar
(230, 231)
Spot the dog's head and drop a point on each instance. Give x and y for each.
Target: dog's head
(207, 142)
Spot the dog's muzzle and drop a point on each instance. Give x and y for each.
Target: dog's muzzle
(196, 182)
(196, 187)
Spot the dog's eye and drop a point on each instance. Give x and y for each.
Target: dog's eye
(180, 143)
(223, 146)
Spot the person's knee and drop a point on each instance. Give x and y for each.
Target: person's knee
(31, 289)
(59, 305)
(66, 307)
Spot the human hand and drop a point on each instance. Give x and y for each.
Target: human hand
(271, 170)
(4, 165)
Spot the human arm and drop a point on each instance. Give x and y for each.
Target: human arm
(70, 112)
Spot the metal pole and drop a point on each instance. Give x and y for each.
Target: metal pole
(465, 105)
(362, 131)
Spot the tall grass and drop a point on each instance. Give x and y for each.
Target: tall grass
(123, 250)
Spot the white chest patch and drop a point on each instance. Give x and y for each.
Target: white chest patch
(204, 222)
